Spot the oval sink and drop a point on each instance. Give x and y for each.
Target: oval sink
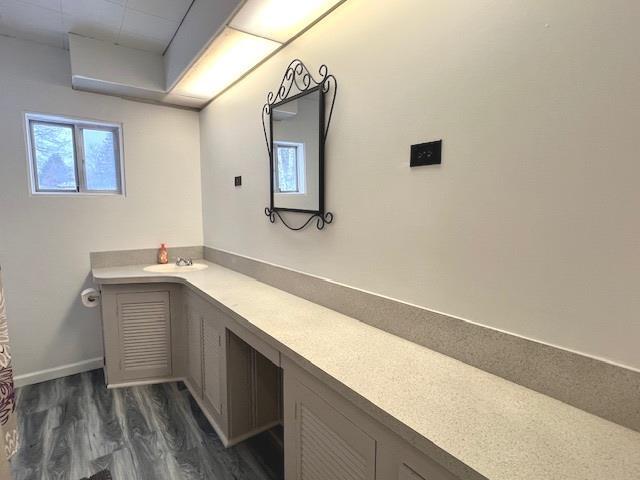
(172, 268)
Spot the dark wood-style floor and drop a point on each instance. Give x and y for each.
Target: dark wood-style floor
(73, 427)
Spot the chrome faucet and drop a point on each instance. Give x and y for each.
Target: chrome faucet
(184, 262)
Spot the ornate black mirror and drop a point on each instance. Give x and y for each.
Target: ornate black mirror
(296, 120)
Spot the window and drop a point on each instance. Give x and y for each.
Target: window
(69, 156)
(289, 167)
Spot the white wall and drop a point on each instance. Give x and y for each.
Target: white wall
(530, 225)
(45, 241)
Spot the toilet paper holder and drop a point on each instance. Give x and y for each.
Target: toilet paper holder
(90, 297)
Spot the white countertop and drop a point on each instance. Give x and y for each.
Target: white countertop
(501, 430)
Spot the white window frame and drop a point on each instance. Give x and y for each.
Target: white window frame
(300, 164)
(78, 125)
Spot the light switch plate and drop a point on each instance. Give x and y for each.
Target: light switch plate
(429, 153)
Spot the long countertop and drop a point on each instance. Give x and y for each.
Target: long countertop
(475, 423)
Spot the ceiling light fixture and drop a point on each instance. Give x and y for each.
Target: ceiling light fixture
(229, 57)
(280, 20)
(257, 30)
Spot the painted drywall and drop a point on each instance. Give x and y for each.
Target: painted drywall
(45, 241)
(531, 223)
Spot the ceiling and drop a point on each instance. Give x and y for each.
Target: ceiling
(147, 25)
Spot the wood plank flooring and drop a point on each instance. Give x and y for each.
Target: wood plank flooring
(73, 427)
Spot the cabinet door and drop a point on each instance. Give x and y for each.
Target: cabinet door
(144, 324)
(325, 443)
(194, 344)
(406, 473)
(212, 364)
(414, 465)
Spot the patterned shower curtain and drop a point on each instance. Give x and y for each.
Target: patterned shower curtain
(8, 431)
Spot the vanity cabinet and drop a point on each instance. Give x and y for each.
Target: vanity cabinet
(206, 360)
(144, 324)
(254, 389)
(327, 436)
(245, 385)
(137, 333)
(213, 363)
(194, 348)
(236, 386)
(323, 443)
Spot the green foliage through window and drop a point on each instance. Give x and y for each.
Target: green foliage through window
(70, 156)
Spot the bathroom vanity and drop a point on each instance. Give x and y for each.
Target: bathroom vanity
(355, 402)
(165, 332)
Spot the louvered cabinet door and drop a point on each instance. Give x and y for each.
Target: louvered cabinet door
(212, 387)
(144, 323)
(327, 444)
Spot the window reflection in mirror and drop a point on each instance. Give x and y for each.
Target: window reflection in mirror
(296, 153)
(290, 170)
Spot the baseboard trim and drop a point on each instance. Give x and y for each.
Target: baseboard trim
(58, 372)
(139, 383)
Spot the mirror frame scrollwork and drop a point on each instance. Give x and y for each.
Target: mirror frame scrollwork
(298, 82)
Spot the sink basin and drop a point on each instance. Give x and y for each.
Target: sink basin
(173, 268)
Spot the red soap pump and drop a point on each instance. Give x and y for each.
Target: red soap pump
(163, 254)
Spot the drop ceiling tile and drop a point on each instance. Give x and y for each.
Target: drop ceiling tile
(169, 9)
(54, 39)
(141, 43)
(50, 4)
(87, 28)
(26, 16)
(149, 26)
(98, 12)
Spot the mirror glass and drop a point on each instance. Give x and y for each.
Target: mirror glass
(296, 130)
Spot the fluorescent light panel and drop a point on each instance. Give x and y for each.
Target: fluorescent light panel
(280, 20)
(229, 57)
(257, 30)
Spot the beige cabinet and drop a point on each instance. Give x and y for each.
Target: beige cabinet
(327, 436)
(237, 388)
(194, 349)
(254, 390)
(137, 333)
(144, 324)
(409, 463)
(213, 363)
(322, 443)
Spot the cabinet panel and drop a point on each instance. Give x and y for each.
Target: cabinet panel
(212, 364)
(254, 390)
(324, 443)
(414, 465)
(239, 379)
(144, 324)
(194, 343)
(407, 473)
(267, 392)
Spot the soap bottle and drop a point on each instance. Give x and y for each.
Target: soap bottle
(163, 255)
